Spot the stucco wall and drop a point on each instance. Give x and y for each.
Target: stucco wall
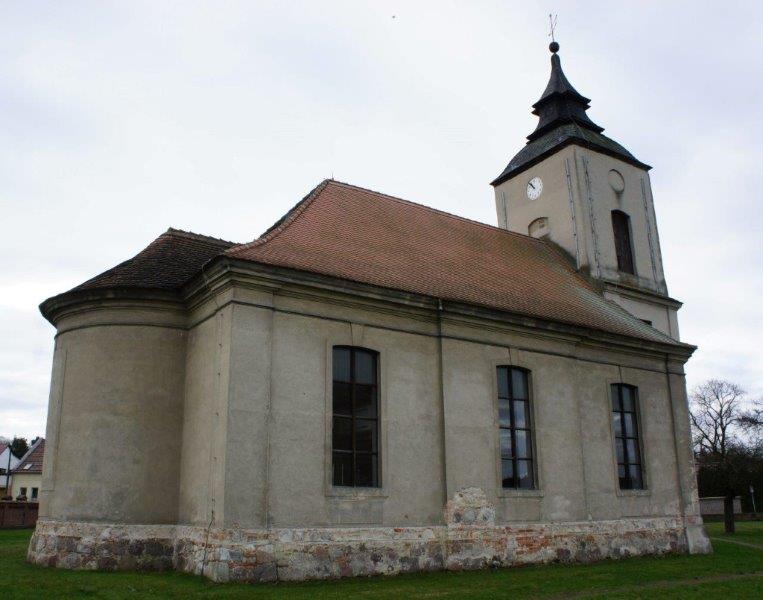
(593, 199)
(282, 472)
(25, 480)
(114, 419)
(578, 200)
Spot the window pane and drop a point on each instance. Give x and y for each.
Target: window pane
(518, 384)
(506, 449)
(616, 404)
(365, 435)
(365, 367)
(632, 446)
(341, 364)
(624, 484)
(342, 433)
(629, 419)
(525, 474)
(627, 398)
(504, 412)
(520, 414)
(523, 444)
(619, 450)
(342, 468)
(342, 399)
(617, 421)
(365, 401)
(507, 473)
(366, 471)
(503, 382)
(635, 472)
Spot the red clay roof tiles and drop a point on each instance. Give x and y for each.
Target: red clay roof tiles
(31, 462)
(360, 235)
(352, 233)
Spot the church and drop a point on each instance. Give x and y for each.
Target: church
(374, 386)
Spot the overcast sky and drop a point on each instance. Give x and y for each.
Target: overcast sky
(120, 119)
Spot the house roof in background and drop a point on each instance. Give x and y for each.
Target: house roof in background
(31, 462)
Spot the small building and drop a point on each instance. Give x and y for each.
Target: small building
(26, 478)
(8, 462)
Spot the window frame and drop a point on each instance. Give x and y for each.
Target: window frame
(531, 418)
(628, 230)
(622, 435)
(377, 453)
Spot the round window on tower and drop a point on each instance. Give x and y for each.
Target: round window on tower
(616, 181)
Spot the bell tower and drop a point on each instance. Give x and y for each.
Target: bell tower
(577, 188)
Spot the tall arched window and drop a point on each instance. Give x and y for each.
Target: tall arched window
(355, 422)
(515, 428)
(621, 226)
(627, 437)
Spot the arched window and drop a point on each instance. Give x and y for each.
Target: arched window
(355, 422)
(515, 428)
(538, 228)
(621, 226)
(627, 438)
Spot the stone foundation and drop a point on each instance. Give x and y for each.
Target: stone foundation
(327, 552)
(470, 539)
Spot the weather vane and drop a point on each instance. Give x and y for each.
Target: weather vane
(552, 23)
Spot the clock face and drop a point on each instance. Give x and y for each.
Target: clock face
(534, 188)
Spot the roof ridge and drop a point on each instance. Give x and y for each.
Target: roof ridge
(197, 236)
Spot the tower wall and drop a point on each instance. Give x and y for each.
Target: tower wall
(578, 200)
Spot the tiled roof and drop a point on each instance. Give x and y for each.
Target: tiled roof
(166, 263)
(33, 458)
(356, 234)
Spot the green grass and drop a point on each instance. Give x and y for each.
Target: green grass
(733, 571)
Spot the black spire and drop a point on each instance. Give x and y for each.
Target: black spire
(562, 120)
(560, 103)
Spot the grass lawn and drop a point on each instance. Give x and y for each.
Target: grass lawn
(733, 571)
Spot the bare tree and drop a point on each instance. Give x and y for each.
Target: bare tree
(719, 419)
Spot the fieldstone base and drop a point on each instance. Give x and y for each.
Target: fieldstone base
(469, 541)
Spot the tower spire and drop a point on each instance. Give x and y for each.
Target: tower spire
(560, 103)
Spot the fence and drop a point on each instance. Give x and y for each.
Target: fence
(18, 514)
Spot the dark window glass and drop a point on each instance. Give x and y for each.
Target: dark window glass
(507, 473)
(355, 433)
(621, 227)
(515, 431)
(627, 445)
(34, 493)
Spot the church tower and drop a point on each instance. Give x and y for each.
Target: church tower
(575, 187)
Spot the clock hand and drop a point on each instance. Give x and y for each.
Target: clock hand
(531, 185)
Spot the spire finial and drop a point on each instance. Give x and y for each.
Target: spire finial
(554, 45)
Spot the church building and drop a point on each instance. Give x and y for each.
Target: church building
(374, 386)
